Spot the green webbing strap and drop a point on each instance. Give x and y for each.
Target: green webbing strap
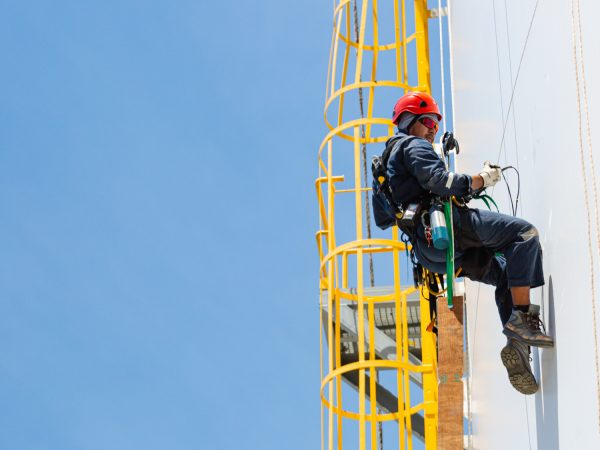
(487, 199)
(450, 251)
(449, 254)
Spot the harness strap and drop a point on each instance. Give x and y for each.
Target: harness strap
(487, 200)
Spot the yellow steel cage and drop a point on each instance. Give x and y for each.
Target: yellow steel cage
(375, 350)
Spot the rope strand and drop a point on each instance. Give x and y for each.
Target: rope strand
(442, 65)
(577, 41)
(366, 185)
(512, 94)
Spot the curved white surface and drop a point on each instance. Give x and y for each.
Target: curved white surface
(542, 140)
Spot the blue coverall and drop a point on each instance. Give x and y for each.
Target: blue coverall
(415, 171)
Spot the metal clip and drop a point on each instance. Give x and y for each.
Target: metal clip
(428, 235)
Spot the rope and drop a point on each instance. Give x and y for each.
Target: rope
(472, 363)
(442, 65)
(449, 254)
(364, 153)
(503, 146)
(511, 80)
(468, 377)
(527, 417)
(512, 94)
(367, 204)
(577, 41)
(498, 69)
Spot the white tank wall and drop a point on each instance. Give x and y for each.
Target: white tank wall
(543, 143)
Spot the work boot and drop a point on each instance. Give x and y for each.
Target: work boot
(515, 357)
(525, 327)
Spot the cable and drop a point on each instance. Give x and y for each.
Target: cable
(367, 204)
(594, 183)
(441, 28)
(528, 425)
(516, 204)
(364, 151)
(511, 80)
(510, 103)
(468, 377)
(502, 146)
(578, 40)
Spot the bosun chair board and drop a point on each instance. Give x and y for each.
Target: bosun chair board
(450, 373)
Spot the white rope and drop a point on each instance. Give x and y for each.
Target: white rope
(469, 349)
(511, 81)
(578, 45)
(514, 86)
(442, 65)
(498, 64)
(471, 361)
(503, 144)
(449, 6)
(469, 376)
(511, 109)
(527, 417)
(471, 355)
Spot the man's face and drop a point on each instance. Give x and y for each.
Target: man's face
(419, 129)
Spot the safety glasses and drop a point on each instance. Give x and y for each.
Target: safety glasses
(429, 123)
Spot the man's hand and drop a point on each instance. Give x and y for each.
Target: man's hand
(490, 174)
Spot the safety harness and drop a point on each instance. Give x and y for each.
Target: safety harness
(406, 217)
(381, 182)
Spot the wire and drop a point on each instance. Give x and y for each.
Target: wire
(528, 425)
(511, 81)
(578, 45)
(501, 147)
(510, 103)
(364, 152)
(468, 375)
(367, 205)
(514, 207)
(441, 28)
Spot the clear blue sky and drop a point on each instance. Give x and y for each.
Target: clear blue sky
(158, 287)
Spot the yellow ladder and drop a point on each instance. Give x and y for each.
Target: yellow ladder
(376, 352)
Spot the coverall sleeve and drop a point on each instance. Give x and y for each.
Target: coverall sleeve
(429, 170)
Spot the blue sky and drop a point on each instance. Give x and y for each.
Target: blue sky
(159, 271)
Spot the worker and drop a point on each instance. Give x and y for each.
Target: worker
(491, 248)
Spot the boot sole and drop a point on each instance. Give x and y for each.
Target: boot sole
(533, 343)
(519, 373)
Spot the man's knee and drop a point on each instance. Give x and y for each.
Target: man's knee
(530, 233)
(476, 262)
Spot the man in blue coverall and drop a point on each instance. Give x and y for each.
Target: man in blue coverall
(492, 248)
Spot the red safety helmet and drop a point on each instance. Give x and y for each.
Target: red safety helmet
(417, 103)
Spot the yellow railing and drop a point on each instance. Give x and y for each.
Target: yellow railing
(354, 416)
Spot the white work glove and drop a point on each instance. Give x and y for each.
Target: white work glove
(491, 174)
